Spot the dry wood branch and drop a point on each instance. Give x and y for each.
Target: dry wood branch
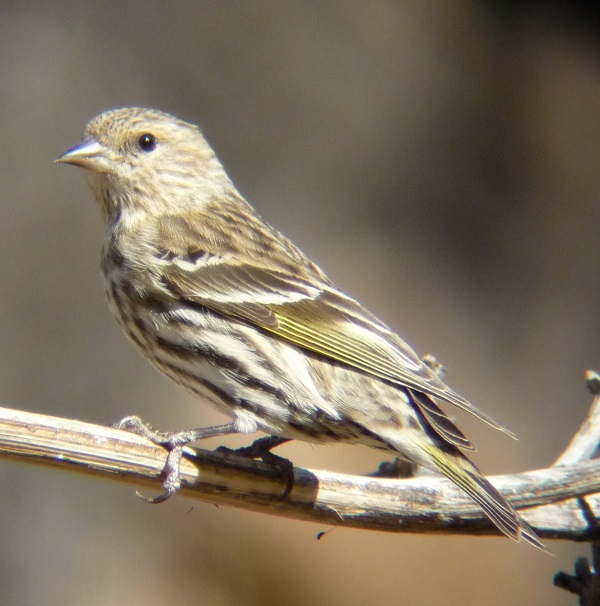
(553, 498)
(584, 445)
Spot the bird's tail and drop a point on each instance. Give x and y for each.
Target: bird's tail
(455, 466)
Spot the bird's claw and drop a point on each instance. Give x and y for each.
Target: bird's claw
(261, 449)
(174, 442)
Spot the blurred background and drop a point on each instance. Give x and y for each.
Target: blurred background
(439, 159)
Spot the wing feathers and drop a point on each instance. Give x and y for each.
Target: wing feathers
(307, 311)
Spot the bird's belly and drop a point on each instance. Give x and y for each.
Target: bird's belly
(263, 382)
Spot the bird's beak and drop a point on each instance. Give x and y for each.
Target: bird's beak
(90, 155)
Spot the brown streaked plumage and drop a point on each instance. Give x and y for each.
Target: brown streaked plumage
(230, 309)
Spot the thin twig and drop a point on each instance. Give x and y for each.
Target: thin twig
(585, 442)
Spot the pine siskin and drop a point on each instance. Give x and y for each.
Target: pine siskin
(231, 310)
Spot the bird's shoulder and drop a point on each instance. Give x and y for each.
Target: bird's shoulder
(234, 233)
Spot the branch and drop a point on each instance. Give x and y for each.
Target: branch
(553, 497)
(586, 580)
(585, 442)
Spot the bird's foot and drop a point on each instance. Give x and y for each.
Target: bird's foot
(174, 442)
(261, 449)
(396, 469)
(438, 369)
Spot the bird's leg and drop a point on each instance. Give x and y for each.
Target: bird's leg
(438, 369)
(261, 449)
(395, 469)
(174, 442)
(258, 449)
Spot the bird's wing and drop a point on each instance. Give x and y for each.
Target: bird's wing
(317, 317)
(246, 292)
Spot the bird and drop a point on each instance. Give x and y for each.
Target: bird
(231, 310)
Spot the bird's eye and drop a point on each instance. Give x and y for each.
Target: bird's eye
(147, 142)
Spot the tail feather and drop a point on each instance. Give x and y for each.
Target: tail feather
(456, 467)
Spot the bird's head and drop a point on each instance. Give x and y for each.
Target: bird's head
(146, 160)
